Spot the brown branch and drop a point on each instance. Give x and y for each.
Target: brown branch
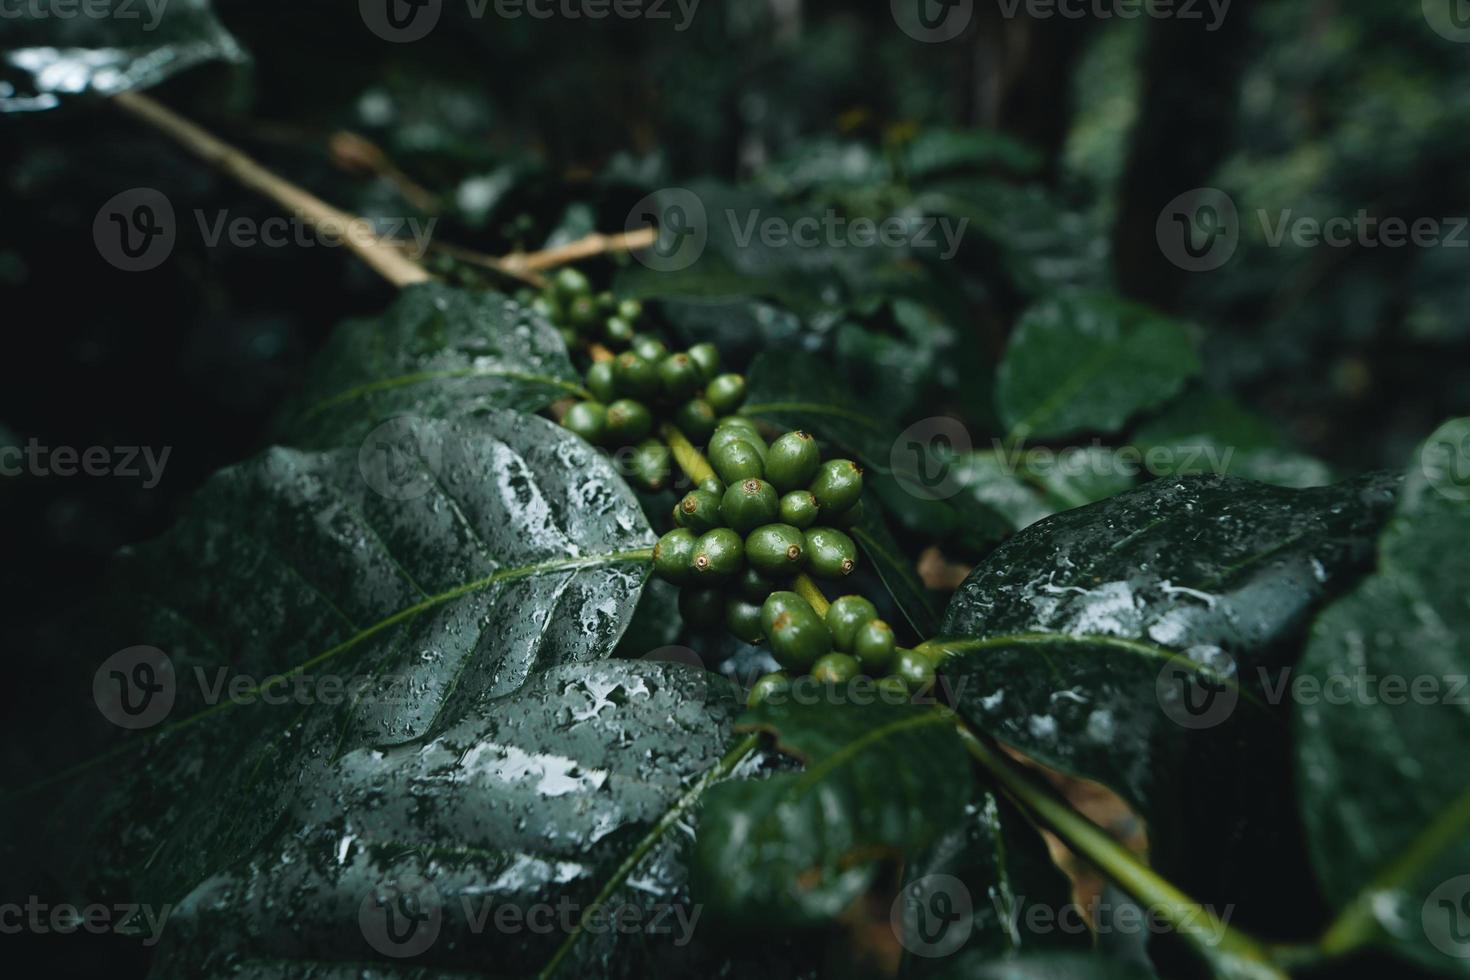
(583, 248)
(381, 254)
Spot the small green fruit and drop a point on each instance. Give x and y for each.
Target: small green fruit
(736, 461)
(766, 686)
(630, 310)
(835, 668)
(696, 420)
(851, 517)
(797, 635)
(832, 553)
(873, 646)
(699, 511)
(679, 376)
(914, 669)
(799, 509)
(619, 332)
(845, 615)
(649, 347)
(627, 422)
(779, 602)
(776, 549)
(718, 555)
(754, 586)
(838, 485)
(707, 356)
(601, 383)
(582, 312)
(651, 465)
(743, 619)
(673, 556)
(570, 283)
(748, 504)
(588, 420)
(792, 461)
(726, 393)
(636, 377)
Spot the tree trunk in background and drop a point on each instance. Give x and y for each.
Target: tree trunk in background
(1186, 116)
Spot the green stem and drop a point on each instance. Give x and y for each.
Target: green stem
(681, 806)
(809, 590)
(690, 459)
(1231, 953)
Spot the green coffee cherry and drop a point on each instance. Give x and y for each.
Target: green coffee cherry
(679, 376)
(835, 668)
(588, 420)
(582, 312)
(636, 377)
(892, 689)
(914, 669)
(649, 347)
(830, 552)
(713, 485)
(707, 356)
(851, 517)
(767, 685)
(748, 504)
(702, 607)
(718, 555)
(838, 485)
(792, 461)
(627, 422)
(797, 635)
(619, 332)
(776, 549)
(600, 382)
(546, 307)
(779, 602)
(696, 419)
(736, 461)
(724, 435)
(699, 511)
(570, 283)
(743, 619)
(673, 556)
(630, 310)
(651, 465)
(845, 616)
(752, 585)
(742, 423)
(873, 645)
(726, 393)
(606, 301)
(799, 509)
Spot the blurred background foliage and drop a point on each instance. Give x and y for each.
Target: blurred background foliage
(1059, 140)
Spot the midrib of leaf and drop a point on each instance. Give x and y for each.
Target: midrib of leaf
(402, 615)
(679, 807)
(404, 380)
(1357, 924)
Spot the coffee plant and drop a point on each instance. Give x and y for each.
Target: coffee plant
(579, 617)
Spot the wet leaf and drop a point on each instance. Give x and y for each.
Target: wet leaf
(1382, 716)
(312, 604)
(438, 353)
(135, 45)
(1089, 362)
(795, 849)
(1046, 967)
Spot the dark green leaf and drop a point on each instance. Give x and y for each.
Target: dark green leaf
(417, 578)
(1382, 720)
(133, 45)
(896, 570)
(438, 353)
(1051, 967)
(796, 849)
(1088, 363)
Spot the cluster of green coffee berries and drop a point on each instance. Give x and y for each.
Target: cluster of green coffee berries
(569, 302)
